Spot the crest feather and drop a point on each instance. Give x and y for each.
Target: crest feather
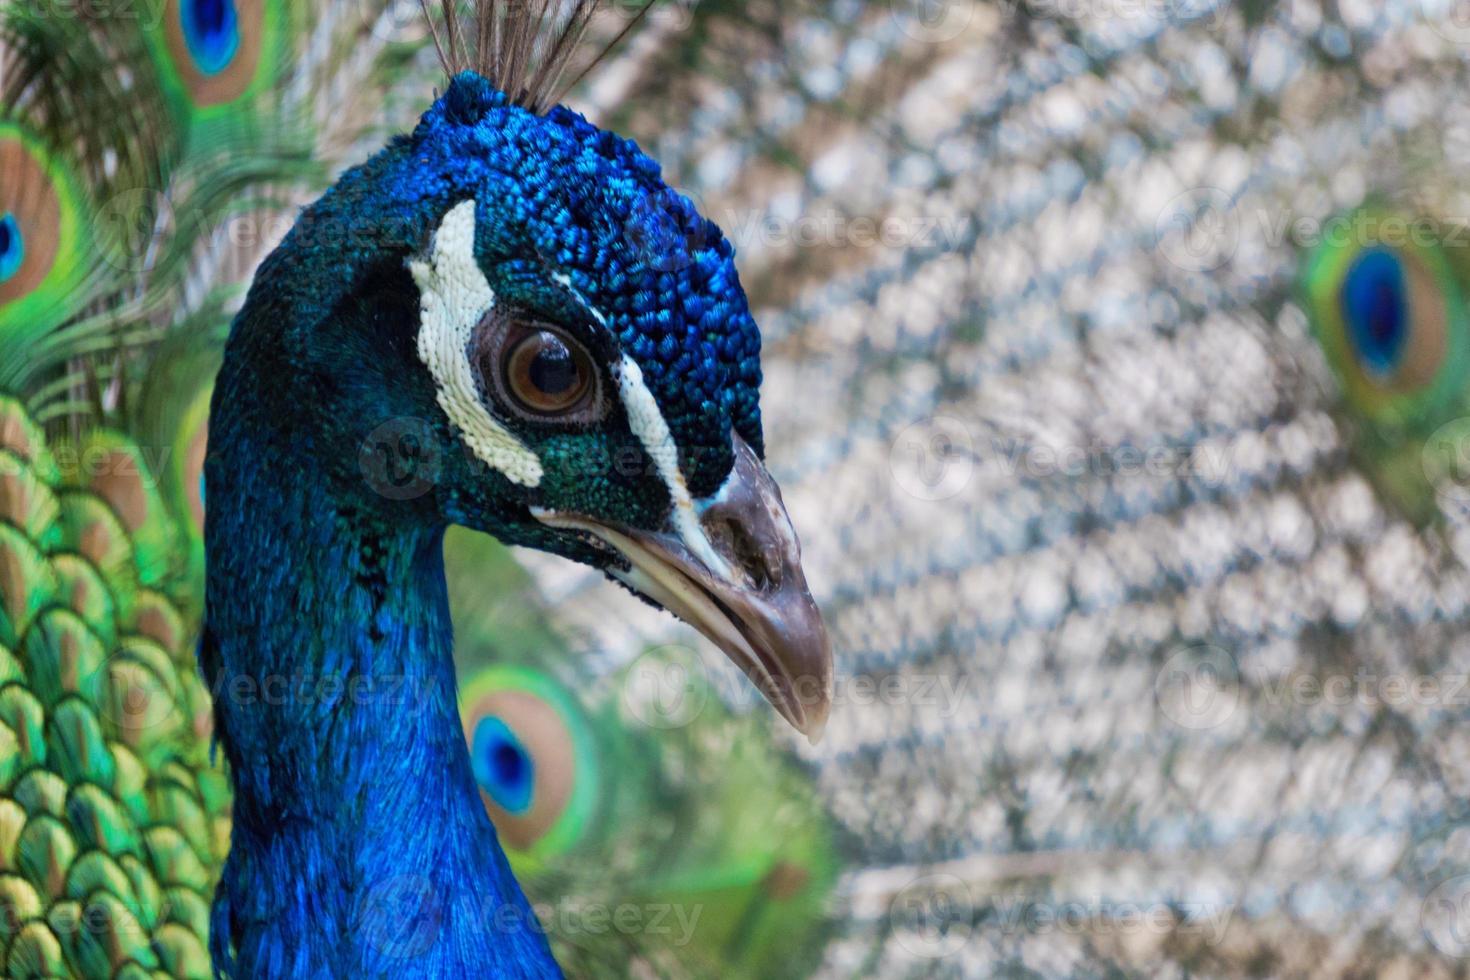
(524, 47)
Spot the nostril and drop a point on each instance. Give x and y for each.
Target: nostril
(759, 570)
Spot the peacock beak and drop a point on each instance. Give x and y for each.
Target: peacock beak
(734, 573)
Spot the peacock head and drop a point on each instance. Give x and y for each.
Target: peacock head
(575, 338)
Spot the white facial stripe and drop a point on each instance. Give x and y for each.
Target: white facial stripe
(648, 424)
(453, 296)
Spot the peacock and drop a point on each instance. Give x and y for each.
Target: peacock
(121, 816)
(1109, 368)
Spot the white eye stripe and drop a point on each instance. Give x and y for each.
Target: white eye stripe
(648, 424)
(453, 296)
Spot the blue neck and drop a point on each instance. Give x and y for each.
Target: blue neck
(360, 846)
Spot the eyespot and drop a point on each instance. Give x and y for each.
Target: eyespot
(213, 52)
(533, 758)
(211, 33)
(538, 370)
(1390, 316)
(45, 246)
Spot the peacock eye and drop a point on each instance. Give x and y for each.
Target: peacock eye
(532, 756)
(1390, 314)
(537, 369)
(546, 373)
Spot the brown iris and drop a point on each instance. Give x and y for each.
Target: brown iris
(546, 373)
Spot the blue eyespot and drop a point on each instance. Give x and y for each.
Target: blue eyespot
(12, 247)
(212, 32)
(503, 767)
(1375, 305)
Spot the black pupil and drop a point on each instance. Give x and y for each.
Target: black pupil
(211, 15)
(552, 369)
(509, 763)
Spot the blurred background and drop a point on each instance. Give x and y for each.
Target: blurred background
(1117, 378)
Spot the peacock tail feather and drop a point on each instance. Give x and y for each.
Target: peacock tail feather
(115, 819)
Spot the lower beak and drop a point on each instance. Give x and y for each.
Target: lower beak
(739, 583)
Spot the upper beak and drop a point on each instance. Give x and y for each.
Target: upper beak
(739, 583)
